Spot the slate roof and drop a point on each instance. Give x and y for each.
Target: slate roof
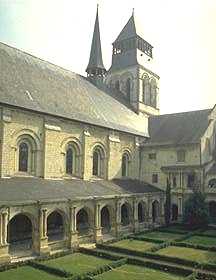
(178, 129)
(130, 30)
(95, 60)
(34, 189)
(31, 83)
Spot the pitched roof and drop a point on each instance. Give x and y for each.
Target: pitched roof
(130, 30)
(33, 189)
(95, 60)
(179, 128)
(31, 83)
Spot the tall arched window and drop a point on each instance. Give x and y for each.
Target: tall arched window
(98, 162)
(125, 165)
(23, 157)
(128, 88)
(153, 97)
(146, 91)
(69, 161)
(72, 159)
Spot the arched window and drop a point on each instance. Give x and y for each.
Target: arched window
(128, 88)
(69, 161)
(125, 214)
(72, 159)
(23, 157)
(117, 85)
(125, 165)
(98, 162)
(153, 89)
(146, 91)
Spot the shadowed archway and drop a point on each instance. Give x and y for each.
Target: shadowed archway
(55, 227)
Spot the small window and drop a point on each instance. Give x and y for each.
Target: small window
(125, 165)
(69, 161)
(23, 157)
(154, 178)
(152, 156)
(128, 88)
(181, 156)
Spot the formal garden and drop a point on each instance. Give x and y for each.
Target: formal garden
(174, 251)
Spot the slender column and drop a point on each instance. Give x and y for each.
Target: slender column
(118, 218)
(135, 216)
(149, 211)
(4, 228)
(43, 223)
(43, 248)
(73, 232)
(0, 229)
(98, 232)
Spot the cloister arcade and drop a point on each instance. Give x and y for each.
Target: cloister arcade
(42, 228)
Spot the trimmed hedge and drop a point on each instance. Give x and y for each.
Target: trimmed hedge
(8, 266)
(148, 239)
(99, 270)
(160, 266)
(52, 270)
(194, 246)
(99, 254)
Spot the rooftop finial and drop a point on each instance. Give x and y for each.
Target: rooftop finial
(133, 12)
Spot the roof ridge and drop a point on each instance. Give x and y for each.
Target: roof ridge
(181, 113)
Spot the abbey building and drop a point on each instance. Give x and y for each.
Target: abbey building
(87, 159)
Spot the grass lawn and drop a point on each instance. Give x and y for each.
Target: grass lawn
(132, 272)
(189, 254)
(77, 263)
(161, 235)
(136, 245)
(202, 240)
(27, 272)
(179, 228)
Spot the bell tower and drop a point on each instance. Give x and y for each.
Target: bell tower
(95, 69)
(131, 71)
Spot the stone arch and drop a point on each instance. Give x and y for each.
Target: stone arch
(26, 154)
(98, 160)
(212, 209)
(174, 212)
(126, 214)
(142, 211)
(155, 211)
(126, 162)
(21, 234)
(106, 219)
(56, 225)
(84, 221)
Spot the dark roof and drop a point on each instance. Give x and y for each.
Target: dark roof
(31, 83)
(130, 30)
(95, 60)
(34, 189)
(179, 128)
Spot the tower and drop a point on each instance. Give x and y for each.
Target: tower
(95, 69)
(131, 70)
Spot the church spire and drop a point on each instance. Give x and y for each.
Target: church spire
(95, 68)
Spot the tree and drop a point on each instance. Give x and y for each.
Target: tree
(167, 206)
(196, 210)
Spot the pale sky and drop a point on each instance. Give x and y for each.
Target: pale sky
(183, 33)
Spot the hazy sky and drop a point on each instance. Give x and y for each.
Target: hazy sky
(183, 33)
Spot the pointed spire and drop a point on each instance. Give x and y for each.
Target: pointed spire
(95, 66)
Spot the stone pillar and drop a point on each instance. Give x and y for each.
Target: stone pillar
(4, 255)
(73, 238)
(162, 220)
(97, 230)
(118, 219)
(43, 239)
(135, 216)
(150, 220)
